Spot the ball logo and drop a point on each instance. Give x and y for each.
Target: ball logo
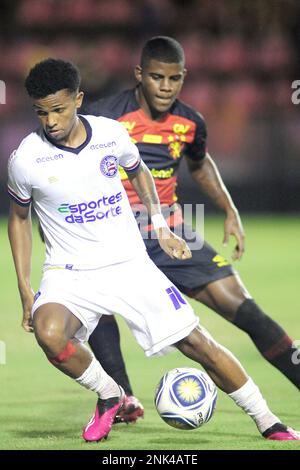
(109, 166)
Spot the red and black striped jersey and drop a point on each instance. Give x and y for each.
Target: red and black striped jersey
(161, 144)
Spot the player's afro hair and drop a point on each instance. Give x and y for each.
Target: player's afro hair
(163, 49)
(52, 75)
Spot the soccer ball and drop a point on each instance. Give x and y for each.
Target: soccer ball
(185, 398)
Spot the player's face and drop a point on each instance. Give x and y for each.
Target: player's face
(58, 114)
(160, 84)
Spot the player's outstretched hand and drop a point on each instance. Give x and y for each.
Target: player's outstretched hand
(233, 226)
(173, 245)
(27, 302)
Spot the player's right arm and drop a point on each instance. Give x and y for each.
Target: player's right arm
(20, 237)
(143, 183)
(205, 173)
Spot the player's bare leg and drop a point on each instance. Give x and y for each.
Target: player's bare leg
(230, 299)
(55, 327)
(220, 364)
(228, 374)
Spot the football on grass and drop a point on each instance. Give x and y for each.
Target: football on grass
(185, 398)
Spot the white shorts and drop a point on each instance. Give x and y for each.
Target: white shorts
(154, 309)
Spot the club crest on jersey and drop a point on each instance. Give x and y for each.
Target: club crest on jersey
(109, 166)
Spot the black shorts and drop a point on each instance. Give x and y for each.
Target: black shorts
(204, 267)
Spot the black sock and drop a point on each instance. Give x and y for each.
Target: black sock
(105, 344)
(270, 339)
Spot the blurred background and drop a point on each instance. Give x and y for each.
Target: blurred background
(242, 57)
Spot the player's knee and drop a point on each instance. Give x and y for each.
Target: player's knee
(50, 337)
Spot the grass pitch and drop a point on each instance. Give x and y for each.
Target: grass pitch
(40, 408)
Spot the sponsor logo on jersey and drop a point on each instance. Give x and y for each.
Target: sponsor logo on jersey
(159, 174)
(103, 146)
(162, 174)
(109, 166)
(179, 128)
(129, 126)
(92, 211)
(152, 139)
(49, 159)
(53, 179)
(176, 297)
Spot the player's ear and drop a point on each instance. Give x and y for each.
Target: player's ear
(79, 98)
(184, 73)
(138, 73)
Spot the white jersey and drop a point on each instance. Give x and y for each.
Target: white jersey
(78, 195)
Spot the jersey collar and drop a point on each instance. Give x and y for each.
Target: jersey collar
(76, 150)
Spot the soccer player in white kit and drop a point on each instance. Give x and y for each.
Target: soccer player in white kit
(96, 263)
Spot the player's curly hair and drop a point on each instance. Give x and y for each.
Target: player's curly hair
(163, 49)
(52, 75)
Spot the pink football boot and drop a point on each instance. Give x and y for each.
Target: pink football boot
(101, 423)
(280, 432)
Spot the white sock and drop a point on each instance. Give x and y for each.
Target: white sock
(96, 379)
(249, 398)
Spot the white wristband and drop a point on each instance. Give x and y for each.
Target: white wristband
(158, 221)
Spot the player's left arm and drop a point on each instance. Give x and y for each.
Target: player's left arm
(206, 174)
(20, 237)
(143, 183)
